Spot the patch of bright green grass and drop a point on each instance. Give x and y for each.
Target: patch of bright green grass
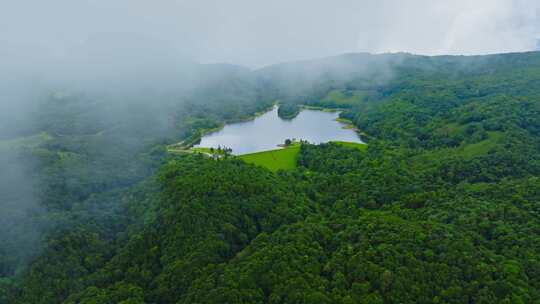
(204, 150)
(354, 145)
(482, 147)
(207, 150)
(340, 98)
(467, 151)
(274, 160)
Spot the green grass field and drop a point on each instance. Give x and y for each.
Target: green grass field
(285, 159)
(483, 147)
(340, 98)
(359, 146)
(207, 150)
(274, 160)
(467, 151)
(201, 149)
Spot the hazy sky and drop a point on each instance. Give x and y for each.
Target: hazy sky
(260, 32)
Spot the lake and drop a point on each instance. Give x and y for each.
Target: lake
(267, 131)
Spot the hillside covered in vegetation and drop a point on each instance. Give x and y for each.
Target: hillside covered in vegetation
(442, 207)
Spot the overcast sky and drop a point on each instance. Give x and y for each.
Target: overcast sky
(262, 32)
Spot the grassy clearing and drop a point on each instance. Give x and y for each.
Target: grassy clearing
(208, 151)
(467, 151)
(346, 99)
(178, 149)
(285, 159)
(274, 160)
(481, 148)
(359, 146)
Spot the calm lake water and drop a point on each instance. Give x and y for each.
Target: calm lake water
(268, 130)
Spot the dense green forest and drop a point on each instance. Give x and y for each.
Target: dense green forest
(442, 207)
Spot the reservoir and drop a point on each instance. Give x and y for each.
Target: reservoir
(267, 131)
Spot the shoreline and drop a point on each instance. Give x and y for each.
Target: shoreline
(188, 143)
(205, 132)
(348, 124)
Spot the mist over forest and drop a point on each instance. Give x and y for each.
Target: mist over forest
(104, 200)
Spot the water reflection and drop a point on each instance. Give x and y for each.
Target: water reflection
(268, 130)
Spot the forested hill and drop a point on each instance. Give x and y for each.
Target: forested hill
(443, 206)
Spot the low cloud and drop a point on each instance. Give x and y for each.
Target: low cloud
(453, 27)
(257, 33)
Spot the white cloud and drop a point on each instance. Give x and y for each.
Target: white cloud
(453, 27)
(257, 32)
